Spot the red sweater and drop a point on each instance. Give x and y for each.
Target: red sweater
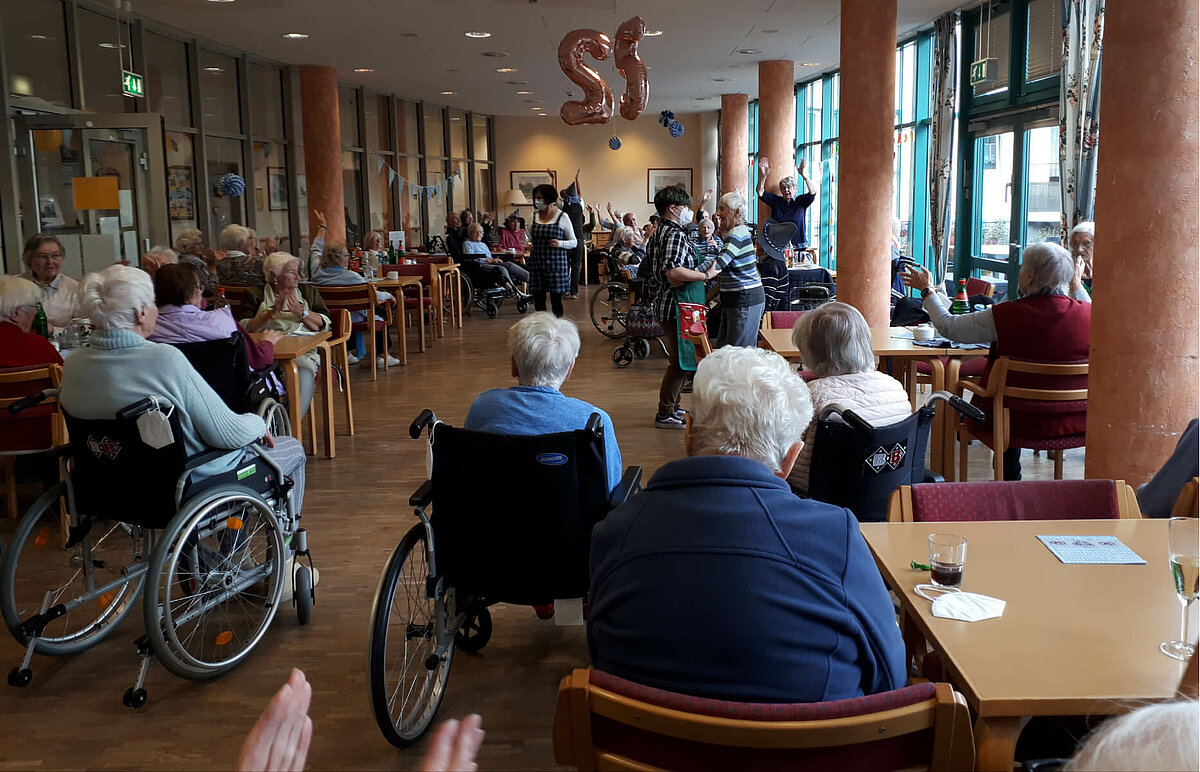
(32, 429)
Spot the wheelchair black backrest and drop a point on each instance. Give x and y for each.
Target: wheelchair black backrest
(512, 516)
(116, 476)
(224, 365)
(858, 466)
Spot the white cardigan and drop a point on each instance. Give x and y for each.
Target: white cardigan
(875, 397)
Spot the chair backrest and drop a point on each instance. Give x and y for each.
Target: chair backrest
(980, 287)
(432, 260)
(605, 722)
(339, 319)
(223, 365)
(781, 320)
(353, 297)
(1005, 367)
(233, 294)
(523, 544)
(36, 428)
(1013, 500)
(1188, 502)
(858, 467)
(424, 270)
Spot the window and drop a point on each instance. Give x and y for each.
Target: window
(434, 142)
(35, 46)
(482, 174)
(167, 88)
(379, 132)
(351, 185)
(266, 100)
(181, 182)
(224, 157)
(992, 42)
(407, 138)
(219, 90)
(409, 169)
(479, 137)
(103, 53)
(348, 115)
(379, 171)
(271, 193)
(752, 159)
(435, 176)
(1043, 39)
(458, 134)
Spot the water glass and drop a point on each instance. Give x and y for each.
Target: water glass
(947, 559)
(1183, 548)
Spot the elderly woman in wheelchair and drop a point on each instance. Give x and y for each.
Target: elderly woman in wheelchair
(170, 496)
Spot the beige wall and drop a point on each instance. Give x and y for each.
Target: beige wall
(618, 176)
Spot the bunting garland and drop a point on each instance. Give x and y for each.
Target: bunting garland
(429, 192)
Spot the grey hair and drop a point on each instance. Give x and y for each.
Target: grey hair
(747, 402)
(789, 181)
(112, 297)
(276, 262)
(834, 339)
(706, 221)
(1154, 737)
(1049, 268)
(188, 239)
(332, 254)
(544, 348)
(1086, 226)
(621, 232)
(166, 254)
(474, 227)
(734, 202)
(16, 293)
(234, 236)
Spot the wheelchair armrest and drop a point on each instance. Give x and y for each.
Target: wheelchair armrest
(422, 496)
(933, 477)
(631, 483)
(200, 459)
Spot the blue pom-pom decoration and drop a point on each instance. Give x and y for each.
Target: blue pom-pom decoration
(232, 185)
(676, 129)
(665, 118)
(614, 143)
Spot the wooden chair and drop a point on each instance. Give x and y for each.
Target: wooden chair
(36, 430)
(1000, 393)
(234, 295)
(780, 320)
(1188, 503)
(422, 302)
(341, 357)
(604, 722)
(361, 297)
(1013, 500)
(980, 287)
(450, 284)
(698, 335)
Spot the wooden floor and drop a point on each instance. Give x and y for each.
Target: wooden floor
(355, 509)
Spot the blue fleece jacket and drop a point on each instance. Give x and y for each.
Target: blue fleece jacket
(717, 581)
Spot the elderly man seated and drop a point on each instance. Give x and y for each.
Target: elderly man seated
(240, 267)
(716, 581)
(475, 249)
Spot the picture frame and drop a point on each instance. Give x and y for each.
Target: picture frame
(526, 181)
(277, 197)
(657, 179)
(301, 191)
(181, 194)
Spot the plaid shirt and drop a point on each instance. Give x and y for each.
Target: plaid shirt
(669, 248)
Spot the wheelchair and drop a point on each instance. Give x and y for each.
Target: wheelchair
(476, 550)
(610, 305)
(223, 364)
(857, 465)
(486, 291)
(206, 556)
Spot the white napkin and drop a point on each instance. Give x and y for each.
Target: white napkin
(953, 603)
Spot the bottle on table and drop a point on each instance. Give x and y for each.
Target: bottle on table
(961, 305)
(41, 325)
(219, 299)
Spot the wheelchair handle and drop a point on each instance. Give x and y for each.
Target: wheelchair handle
(426, 418)
(847, 415)
(143, 405)
(959, 404)
(33, 399)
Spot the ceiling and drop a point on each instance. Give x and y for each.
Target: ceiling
(417, 48)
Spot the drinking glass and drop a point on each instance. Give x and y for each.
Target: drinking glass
(947, 558)
(1184, 550)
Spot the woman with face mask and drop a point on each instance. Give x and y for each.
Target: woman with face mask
(552, 239)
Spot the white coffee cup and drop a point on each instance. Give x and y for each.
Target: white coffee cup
(512, 251)
(393, 275)
(923, 332)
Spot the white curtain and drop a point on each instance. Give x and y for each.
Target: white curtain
(1079, 108)
(941, 138)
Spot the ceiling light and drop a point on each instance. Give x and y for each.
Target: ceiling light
(213, 69)
(453, 118)
(39, 37)
(748, 52)
(809, 64)
(448, 93)
(112, 45)
(452, 69)
(524, 92)
(220, 1)
(295, 36)
(517, 82)
(720, 80)
(653, 34)
(478, 34)
(769, 31)
(535, 108)
(543, 114)
(506, 69)
(495, 54)
(363, 69)
(410, 34)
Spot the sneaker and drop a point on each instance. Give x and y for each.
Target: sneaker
(288, 571)
(668, 422)
(574, 296)
(680, 413)
(544, 611)
(352, 358)
(391, 362)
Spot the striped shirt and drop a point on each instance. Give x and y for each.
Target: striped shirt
(739, 268)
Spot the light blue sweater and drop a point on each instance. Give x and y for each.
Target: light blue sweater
(121, 367)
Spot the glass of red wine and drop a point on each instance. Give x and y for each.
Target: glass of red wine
(947, 557)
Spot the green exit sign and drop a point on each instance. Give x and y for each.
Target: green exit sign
(132, 84)
(985, 72)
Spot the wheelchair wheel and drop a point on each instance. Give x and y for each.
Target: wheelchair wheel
(622, 356)
(641, 348)
(475, 632)
(610, 309)
(522, 306)
(215, 582)
(275, 415)
(492, 309)
(98, 579)
(302, 593)
(405, 676)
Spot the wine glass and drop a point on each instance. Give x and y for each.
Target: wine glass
(1184, 549)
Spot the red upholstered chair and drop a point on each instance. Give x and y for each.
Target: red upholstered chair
(36, 429)
(423, 305)
(781, 320)
(1013, 500)
(970, 368)
(979, 287)
(605, 722)
(360, 297)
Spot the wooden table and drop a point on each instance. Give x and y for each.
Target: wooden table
(449, 272)
(398, 285)
(287, 350)
(1073, 640)
(897, 342)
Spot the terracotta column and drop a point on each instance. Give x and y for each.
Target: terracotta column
(323, 147)
(735, 125)
(865, 144)
(776, 123)
(1142, 385)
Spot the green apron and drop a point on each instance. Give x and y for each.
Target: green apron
(692, 292)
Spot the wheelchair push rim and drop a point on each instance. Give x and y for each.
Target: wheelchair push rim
(275, 415)
(218, 579)
(407, 624)
(610, 308)
(95, 600)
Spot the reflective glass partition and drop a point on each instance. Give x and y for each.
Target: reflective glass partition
(348, 114)
(351, 185)
(181, 183)
(224, 157)
(266, 101)
(167, 90)
(271, 193)
(103, 53)
(219, 90)
(479, 137)
(458, 134)
(35, 44)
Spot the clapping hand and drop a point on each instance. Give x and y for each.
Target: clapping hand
(800, 167)
(917, 277)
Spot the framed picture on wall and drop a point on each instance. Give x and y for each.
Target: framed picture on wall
(277, 187)
(527, 181)
(657, 179)
(180, 194)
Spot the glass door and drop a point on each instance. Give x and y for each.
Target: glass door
(97, 182)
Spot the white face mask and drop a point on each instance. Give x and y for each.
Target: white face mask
(539, 205)
(953, 603)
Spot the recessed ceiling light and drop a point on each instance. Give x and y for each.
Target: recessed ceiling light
(448, 93)
(517, 82)
(506, 69)
(543, 114)
(809, 64)
(39, 37)
(364, 69)
(410, 34)
(721, 80)
(535, 108)
(112, 45)
(495, 54)
(748, 52)
(478, 34)
(454, 118)
(769, 31)
(452, 69)
(220, 1)
(213, 69)
(295, 36)
(524, 92)
(653, 34)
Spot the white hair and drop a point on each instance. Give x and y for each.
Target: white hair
(621, 232)
(1154, 737)
(1087, 227)
(544, 348)
(834, 339)
(275, 263)
(234, 237)
(16, 293)
(734, 202)
(747, 402)
(1049, 268)
(187, 239)
(166, 255)
(112, 297)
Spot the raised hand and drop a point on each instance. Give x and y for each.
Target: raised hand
(764, 166)
(800, 167)
(280, 738)
(320, 218)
